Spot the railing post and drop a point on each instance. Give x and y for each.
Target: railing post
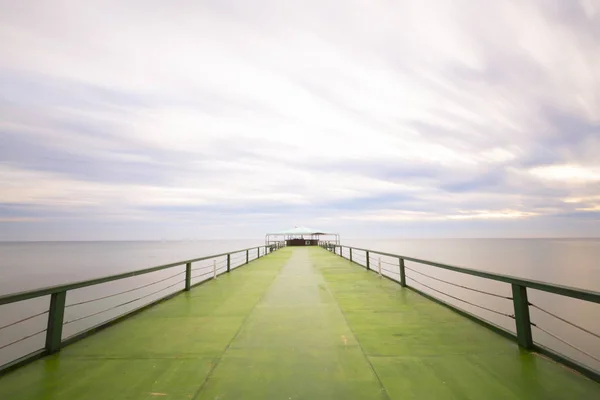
(258, 252)
(188, 276)
(56, 316)
(368, 261)
(350, 253)
(522, 320)
(214, 269)
(246, 256)
(379, 266)
(228, 262)
(402, 273)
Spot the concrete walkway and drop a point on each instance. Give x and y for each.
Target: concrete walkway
(298, 324)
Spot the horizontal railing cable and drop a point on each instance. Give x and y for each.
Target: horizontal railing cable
(23, 320)
(460, 286)
(202, 267)
(210, 265)
(123, 304)
(20, 340)
(125, 291)
(459, 299)
(204, 274)
(565, 321)
(390, 271)
(565, 342)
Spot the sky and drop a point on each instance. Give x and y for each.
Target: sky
(170, 120)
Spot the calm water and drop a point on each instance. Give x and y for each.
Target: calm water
(570, 262)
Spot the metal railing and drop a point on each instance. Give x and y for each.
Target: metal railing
(520, 304)
(55, 314)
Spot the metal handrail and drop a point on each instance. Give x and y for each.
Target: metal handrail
(31, 294)
(521, 305)
(576, 293)
(58, 293)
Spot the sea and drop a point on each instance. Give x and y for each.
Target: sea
(567, 262)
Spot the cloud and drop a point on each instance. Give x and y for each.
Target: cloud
(444, 112)
(395, 216)
(568, 173)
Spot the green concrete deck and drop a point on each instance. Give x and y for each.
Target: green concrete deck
(298, 324)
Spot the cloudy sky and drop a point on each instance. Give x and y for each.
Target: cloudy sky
(147, 119)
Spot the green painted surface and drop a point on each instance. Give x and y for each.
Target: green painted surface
(298, 324)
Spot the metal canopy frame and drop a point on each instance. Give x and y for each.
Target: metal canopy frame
(301, 233)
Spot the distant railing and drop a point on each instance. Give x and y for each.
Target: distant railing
(221, 263)
(520, 304)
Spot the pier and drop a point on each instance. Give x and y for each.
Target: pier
(299, 323)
